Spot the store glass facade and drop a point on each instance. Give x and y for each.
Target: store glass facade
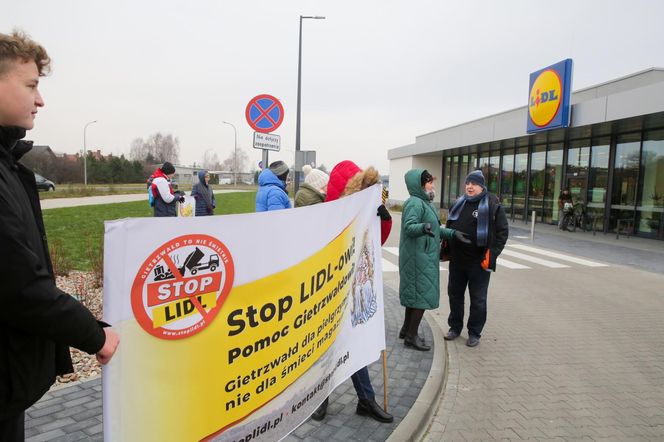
(616, 179)
(650, 207)
(553, 186)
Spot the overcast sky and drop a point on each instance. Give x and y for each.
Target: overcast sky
(375, 74)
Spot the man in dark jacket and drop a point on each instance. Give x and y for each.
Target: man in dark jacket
(478, 214)
(38, 322)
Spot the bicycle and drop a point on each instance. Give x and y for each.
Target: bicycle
(568, 216)
(578, 218)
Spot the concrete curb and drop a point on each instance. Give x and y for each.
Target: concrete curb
(416, 423)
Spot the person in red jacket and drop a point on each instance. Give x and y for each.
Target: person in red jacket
(347, 178)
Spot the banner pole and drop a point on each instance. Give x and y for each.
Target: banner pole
(384, 380)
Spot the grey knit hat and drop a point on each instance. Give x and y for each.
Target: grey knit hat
(476, 177)
(279, 168)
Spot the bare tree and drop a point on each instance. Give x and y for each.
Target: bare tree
(241, 161)
(156, 148)
(137, 152)
(210, 160)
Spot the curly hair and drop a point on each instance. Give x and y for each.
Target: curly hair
(19, 46)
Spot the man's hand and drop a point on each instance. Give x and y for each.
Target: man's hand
(427, 229)
(462, 237)
(383, 213)
(108, 350)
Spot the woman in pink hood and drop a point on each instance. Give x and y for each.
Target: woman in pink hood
(347, 178)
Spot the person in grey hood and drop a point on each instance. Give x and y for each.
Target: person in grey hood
(201, 191)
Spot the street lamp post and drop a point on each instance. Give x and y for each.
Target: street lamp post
(234, 153)
(85, 153)
(296, 186)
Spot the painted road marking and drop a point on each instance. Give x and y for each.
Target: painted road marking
(557, 255)
(540, 261)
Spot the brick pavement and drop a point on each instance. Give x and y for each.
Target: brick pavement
(558, 361)
(67, 414)
(75, 412)
(407, 373)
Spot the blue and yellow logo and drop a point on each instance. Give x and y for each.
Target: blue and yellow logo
(548, 97)
(545, 98)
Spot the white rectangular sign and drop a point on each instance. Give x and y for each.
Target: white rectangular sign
(267, 141)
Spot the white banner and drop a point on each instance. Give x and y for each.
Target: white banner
(237, 327)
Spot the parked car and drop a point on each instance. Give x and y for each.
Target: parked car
(43, 183)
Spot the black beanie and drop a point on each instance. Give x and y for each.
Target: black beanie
(167, 168)
(426, 178)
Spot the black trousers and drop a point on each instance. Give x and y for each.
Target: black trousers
(476, 279)
(13, 429)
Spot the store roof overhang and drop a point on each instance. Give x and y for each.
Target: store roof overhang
(629, 97)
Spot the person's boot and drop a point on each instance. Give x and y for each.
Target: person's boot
(406, 321)
(321, 411)
(416, 342)
(369, 407)
(413, 338)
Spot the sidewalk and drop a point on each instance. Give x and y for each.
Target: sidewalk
(646, 254)
(566, 354)
(56, 203)
(74, 412)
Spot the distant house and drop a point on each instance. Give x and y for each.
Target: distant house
(72, 158)
(40, 152)
(96, 154)
(183, 174)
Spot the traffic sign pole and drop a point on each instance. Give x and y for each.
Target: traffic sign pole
(265, 163)
(264, 114)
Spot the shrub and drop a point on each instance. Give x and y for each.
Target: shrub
(61, 265)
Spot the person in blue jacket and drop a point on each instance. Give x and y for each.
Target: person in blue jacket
(205, 203)
(272, 188)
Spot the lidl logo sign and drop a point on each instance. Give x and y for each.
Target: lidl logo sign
(549, 97)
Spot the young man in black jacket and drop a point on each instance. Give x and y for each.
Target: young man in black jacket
(38, 322)
(478, 214)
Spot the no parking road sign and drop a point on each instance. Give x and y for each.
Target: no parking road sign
(264, 113)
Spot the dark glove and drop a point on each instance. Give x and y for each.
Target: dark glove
(427, 229)
(462, 237)
(383, 213)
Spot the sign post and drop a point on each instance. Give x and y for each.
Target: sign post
(265, 114)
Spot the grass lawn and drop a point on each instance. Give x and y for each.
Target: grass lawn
(80, 230)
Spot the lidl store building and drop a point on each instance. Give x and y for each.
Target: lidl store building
(609, 151)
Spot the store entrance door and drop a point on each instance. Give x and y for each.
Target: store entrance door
(578, 188)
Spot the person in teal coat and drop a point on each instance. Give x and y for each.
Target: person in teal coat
(419, 255)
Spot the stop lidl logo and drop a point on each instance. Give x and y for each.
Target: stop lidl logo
(181, 286)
